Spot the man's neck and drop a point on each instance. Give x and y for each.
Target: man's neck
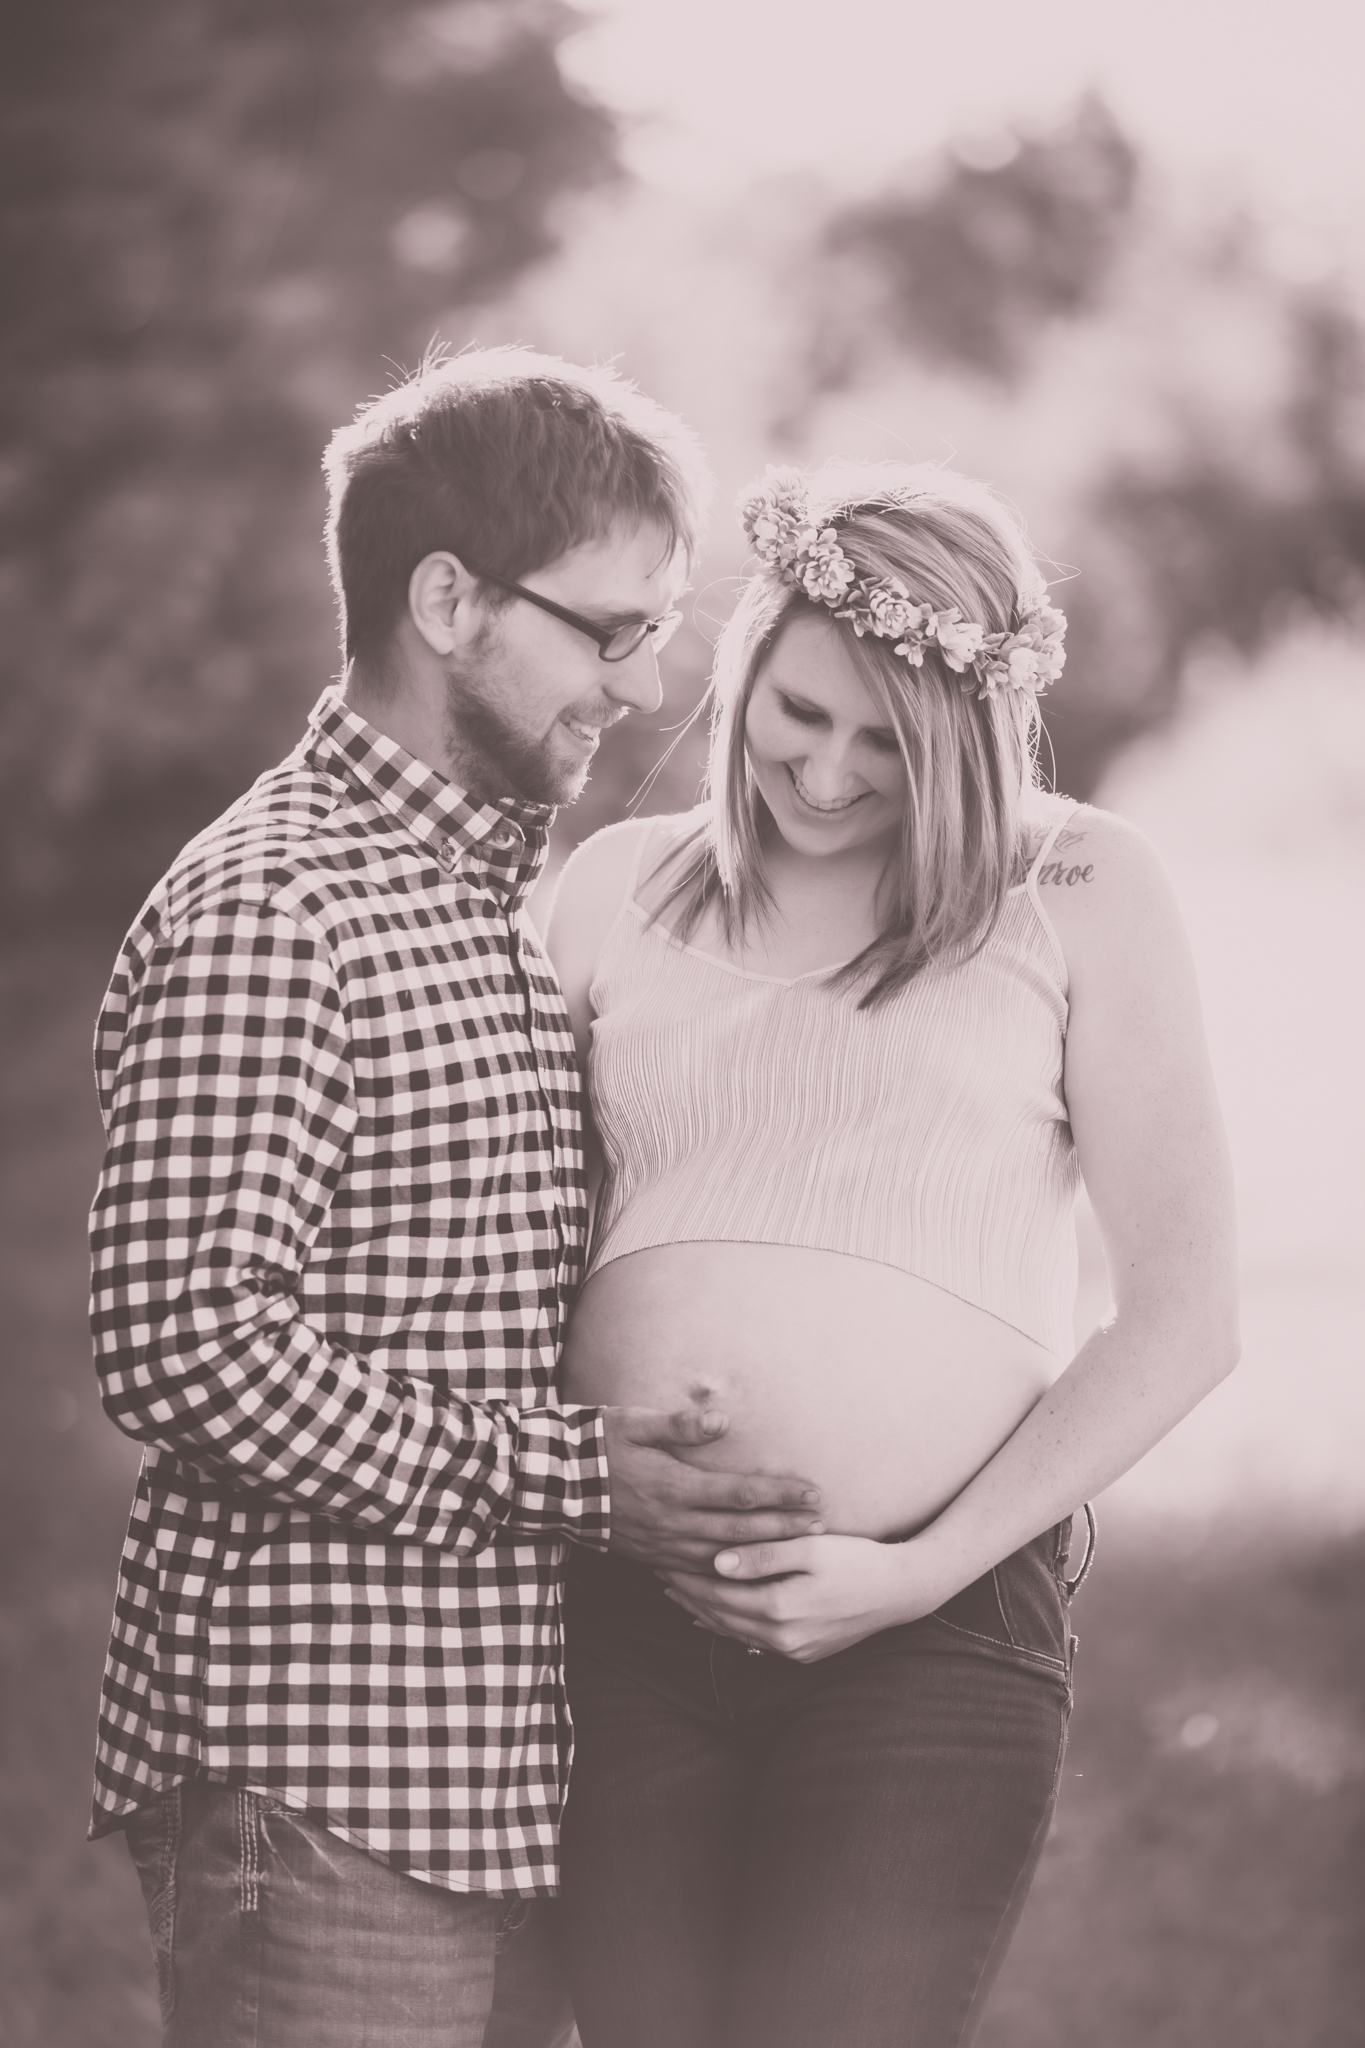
(412, 718)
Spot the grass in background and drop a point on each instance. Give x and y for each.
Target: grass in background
(1202, 1886)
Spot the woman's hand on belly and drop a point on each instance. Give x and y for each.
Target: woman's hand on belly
(811, 1597)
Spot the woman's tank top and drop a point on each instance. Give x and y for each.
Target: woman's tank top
(928, 1133)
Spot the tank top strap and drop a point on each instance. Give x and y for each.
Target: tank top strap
(1050, 838)
(643, 840)
(665, 843)
(626, 918)
(1058, 825)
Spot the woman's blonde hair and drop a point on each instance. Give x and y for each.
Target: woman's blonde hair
(969, 760)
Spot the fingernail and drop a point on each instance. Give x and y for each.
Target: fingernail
(816, 1529)
(811, 1497)
(713, 1422)
(728, 1561)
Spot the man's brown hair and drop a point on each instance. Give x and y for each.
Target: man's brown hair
(507, 459)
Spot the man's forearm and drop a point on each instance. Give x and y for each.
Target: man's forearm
(265, 1402)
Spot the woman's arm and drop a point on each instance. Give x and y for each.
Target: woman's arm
(1152, 1150)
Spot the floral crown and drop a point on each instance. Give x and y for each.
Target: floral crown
(778, 522)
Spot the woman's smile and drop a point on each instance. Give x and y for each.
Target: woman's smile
(842, 803)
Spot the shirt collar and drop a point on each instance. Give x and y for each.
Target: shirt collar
(507, 838)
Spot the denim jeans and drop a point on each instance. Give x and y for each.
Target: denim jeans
(765, 1854)
(269, 1932)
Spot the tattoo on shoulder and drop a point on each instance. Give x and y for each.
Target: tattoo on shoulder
(1061, 872)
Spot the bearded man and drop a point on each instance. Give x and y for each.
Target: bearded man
(339, 1226)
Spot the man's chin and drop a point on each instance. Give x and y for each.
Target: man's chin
(561, 780)
(555, 787)
(572, 785)
(547, 781)
(539, 778)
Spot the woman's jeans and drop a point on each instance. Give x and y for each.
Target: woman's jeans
(271, 1933)
(765, 1854)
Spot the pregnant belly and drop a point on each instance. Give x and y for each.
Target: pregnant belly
(885, 1391)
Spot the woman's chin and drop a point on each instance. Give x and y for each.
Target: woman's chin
(815, 833)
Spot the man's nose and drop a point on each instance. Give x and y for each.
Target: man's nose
(634, 682)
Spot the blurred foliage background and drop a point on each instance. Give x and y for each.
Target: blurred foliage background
(227, 222)
(227, 219)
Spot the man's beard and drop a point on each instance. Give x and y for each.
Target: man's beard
(490, 756)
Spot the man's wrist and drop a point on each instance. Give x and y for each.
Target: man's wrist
(562, 1481)
(600, 1534)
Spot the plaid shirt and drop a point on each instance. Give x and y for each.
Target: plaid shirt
(339, 1225)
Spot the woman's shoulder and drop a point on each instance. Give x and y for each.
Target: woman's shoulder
(604, 872)
(1082, 846)
(614, 859)
(1099, 880)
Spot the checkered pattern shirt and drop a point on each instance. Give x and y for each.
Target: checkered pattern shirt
(339, 1225)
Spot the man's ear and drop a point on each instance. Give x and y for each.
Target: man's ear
(437, 587)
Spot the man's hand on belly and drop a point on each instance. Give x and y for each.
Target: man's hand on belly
(667, 1512)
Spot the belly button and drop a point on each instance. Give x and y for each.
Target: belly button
(703, 1394)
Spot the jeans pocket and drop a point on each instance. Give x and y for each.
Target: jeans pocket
(1034, 1601)
(1017, 1607)
(976, 1611)
(153, 1835)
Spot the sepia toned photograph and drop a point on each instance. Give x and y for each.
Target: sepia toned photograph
(682, 874)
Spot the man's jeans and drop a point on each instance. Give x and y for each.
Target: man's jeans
(765, 1854)
(270, 1933)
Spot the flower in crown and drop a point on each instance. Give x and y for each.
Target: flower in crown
(1027, 660)
(886, 610)
(960, 640)
(823, 569)
(777, 519)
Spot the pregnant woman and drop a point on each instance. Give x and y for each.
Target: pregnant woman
(853, 1031)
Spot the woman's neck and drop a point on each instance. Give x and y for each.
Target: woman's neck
(850, 877)
(824, 909)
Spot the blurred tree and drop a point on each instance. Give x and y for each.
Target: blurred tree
(1214, 545)
(221, 216)
(1204, 447)
(970, 270)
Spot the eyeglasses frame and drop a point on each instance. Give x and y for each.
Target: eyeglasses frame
(603, 635)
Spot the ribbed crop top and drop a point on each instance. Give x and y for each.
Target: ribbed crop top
(929, 1133)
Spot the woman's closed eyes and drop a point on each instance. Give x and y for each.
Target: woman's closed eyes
(810, 715)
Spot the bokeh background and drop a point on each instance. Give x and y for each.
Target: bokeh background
(1108, 259)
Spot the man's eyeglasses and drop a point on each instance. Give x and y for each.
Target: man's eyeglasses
(614, 643)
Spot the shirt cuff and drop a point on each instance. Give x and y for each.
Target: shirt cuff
(562, 1486)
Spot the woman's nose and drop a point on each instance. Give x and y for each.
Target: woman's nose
(827, 771)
